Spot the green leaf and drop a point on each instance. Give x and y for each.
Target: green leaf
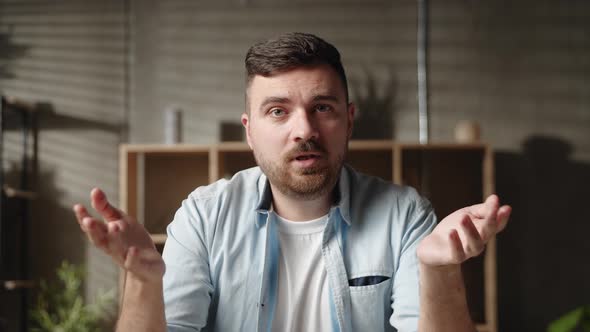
(567, 322)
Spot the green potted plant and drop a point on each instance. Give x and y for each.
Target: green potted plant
(61, 308)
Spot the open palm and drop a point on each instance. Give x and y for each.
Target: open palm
(464, 233)
(121, 237)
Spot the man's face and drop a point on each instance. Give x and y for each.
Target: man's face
(298, 126)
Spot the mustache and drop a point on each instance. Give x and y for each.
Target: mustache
(307, 146)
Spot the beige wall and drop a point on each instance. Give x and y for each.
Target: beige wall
(518, 69)
(191, 54)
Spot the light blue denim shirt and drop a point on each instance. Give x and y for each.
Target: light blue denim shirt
(222, 256)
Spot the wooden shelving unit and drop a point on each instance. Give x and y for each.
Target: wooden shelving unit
(154, 179)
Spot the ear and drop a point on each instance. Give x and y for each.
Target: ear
(351, 110)
(246, 123)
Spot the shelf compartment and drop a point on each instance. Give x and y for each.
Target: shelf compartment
(164, 180)
(440, 173)
(232, 158)
(372, 157)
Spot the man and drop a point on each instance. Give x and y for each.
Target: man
(300, 243)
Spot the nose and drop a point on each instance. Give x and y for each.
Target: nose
(304, 126)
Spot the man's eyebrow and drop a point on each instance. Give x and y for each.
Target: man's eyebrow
(284, 100)
(274, 100)
(325, 98)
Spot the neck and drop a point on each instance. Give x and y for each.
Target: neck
(297, 209)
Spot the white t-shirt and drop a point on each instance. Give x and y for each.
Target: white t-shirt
(303, 302)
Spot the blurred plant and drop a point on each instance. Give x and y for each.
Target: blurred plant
(11, 51)
(577, 320)
(61, 308)
(375, 102)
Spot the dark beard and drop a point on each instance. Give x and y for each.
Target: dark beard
(309, 183)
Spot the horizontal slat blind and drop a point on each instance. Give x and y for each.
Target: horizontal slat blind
(72, 56)
(191, 54)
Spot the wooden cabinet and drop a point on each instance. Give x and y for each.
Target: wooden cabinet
(154, 179)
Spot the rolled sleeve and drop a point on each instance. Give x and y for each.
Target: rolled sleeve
(405, 295)
(187, 283)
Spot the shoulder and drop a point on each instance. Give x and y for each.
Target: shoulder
(367, 190)
(206, 205)
(243, 182)
(222, 202)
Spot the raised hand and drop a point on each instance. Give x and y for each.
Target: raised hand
(464, 233)
(121, 237)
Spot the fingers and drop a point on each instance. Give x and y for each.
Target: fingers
(105, 236)
(488, 212)
(495, 216)
(96, 231)
(464, 233)
(101, 204)
(473, 244)
(503, 216)
(116, 227)
(487, 209)
(457, 253)
(111, 236)
(80, 212)
(466, 240)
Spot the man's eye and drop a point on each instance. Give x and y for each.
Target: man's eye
(323, 108)
(277, 112)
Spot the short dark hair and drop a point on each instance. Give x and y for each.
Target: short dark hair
(289, 51)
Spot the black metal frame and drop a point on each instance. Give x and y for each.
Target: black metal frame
(28, 174)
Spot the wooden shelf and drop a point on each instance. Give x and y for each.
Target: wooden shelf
(16, 193)
(21, 105)
(483, 328)
(159, 239)
(156, 178)
(18, 284)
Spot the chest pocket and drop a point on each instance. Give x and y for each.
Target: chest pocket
(370, 298)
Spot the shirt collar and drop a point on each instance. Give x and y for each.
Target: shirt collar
(341, 196)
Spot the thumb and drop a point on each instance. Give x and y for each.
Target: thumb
(487, 209)
(503, 216)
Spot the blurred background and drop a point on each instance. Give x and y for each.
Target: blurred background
(102, 73)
